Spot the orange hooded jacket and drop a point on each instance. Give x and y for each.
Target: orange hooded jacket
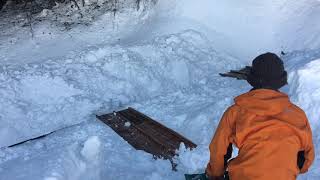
(269, 131)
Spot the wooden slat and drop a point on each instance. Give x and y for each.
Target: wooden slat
(146, 134)
(187, 142)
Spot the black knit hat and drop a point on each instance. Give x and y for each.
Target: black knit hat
(267, 72)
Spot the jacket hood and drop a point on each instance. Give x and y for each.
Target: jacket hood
(263, 102)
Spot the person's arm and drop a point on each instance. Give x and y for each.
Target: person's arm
(308, 150)
(219, 145)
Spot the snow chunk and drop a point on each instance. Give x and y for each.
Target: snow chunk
(127, 124)
(192, 161)
(91, 148)
(44, 13)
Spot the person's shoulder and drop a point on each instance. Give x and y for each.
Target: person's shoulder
(299, 111)
(297, 108)
(233, 109)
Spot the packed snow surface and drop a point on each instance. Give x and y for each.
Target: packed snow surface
(163, 62)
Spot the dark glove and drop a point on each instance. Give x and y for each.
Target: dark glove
(301, 159)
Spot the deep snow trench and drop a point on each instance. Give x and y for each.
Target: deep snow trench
(163, 61)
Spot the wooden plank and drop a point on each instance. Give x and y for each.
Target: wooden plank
(145, 133)
(187, 142)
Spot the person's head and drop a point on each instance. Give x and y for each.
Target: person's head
(267, 72)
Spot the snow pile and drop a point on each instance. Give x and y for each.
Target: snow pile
(40, 98)
(304, 90)
(173, 78)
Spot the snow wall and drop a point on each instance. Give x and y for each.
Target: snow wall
(304, 90)
(251, 27)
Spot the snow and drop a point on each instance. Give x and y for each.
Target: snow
(247, 28)
(304, 90)
(163, 61)
(307, 90)
(127, 124)
(91, 148)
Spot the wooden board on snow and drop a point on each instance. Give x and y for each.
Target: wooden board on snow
(146, 134)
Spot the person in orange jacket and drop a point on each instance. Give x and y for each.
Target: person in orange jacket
(272, 134)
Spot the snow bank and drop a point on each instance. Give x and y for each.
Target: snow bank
(304, 90)
(40, 98)
(306, 93)
(249, 28)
